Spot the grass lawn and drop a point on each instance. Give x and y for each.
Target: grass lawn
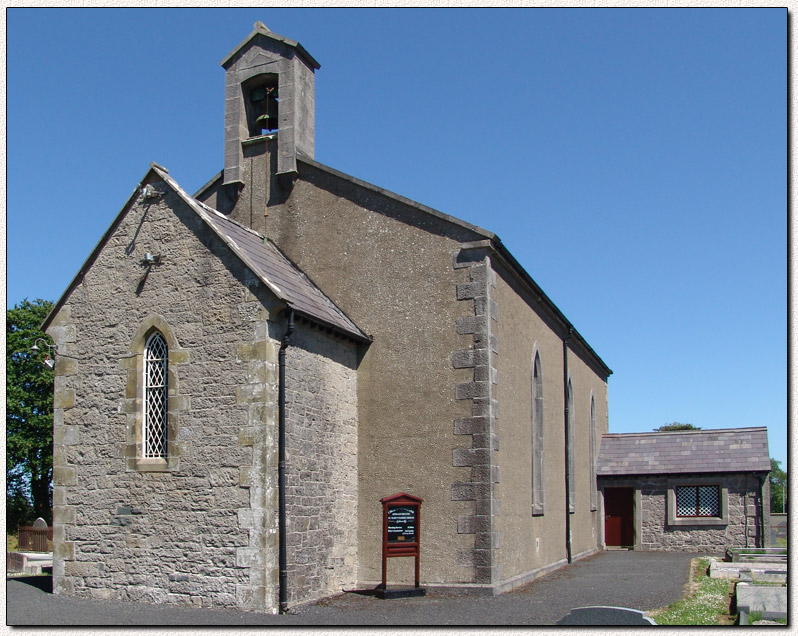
(707, 604)
(11, 542)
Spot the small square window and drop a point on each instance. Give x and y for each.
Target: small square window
(698, 501)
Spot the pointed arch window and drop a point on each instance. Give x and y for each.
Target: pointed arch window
(156, 355)
(571, 450)
(538, 491)
(593, 451)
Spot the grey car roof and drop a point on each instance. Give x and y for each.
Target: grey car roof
(692, 451)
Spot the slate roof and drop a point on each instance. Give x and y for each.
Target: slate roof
(284, 279)
(281, 276)
(704, 451)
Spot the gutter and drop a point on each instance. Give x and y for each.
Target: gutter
(282, 529)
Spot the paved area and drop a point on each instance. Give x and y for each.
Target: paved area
(636, 580)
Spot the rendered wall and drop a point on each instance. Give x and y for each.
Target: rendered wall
(586, 520)
(529, 543)
(428, 409)
(390, 268)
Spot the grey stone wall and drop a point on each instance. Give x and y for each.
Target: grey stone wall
(481, 313)
(742, 528)
(202, 530)
(321, 469)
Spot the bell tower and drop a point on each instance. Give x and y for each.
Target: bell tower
(269, 90)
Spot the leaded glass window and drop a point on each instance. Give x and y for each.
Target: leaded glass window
(698, 501)
(155, 398)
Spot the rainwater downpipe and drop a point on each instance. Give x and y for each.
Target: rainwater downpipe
(567, 444)
(762, 503)
(283, 559)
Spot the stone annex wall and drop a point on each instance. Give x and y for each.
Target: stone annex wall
(321, 471)
(202, 531)
(744, 506)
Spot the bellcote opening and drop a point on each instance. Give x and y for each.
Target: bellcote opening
(261, 101)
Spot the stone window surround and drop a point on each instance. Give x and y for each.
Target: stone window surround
(134, 398)
(571, 459)
(593, 454)
(721, 520)
(538, 427)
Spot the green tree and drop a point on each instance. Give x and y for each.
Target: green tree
(778, 487)
(29, 416)
(676, 426)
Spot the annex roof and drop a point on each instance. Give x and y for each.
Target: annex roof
(675, 452)
(284, 279)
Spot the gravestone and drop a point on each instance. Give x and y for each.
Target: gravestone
(40, 523)
(605, 616)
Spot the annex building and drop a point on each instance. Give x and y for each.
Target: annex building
(244, 372)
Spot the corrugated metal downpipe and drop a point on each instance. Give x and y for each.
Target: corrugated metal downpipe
(282, 530)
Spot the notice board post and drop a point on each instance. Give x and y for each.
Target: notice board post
(401, 536)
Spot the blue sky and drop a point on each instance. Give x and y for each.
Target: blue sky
(634, 161)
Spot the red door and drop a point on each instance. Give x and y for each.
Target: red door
(619, 517)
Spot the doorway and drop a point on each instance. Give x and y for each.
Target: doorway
(619, 517)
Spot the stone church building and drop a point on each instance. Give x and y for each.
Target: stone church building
(244, 372)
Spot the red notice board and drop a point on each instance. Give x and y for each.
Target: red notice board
(401, 530)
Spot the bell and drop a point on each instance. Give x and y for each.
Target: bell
(264, 123)
(268, 121)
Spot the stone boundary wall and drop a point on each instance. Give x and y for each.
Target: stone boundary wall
(321, 465)
(481, 425)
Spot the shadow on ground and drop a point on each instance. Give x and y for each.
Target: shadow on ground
(42, 582)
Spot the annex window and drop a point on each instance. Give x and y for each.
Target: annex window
(698, 501)
(537, 438)
(155, 396)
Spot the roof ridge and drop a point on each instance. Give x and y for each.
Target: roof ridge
(689, 431)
